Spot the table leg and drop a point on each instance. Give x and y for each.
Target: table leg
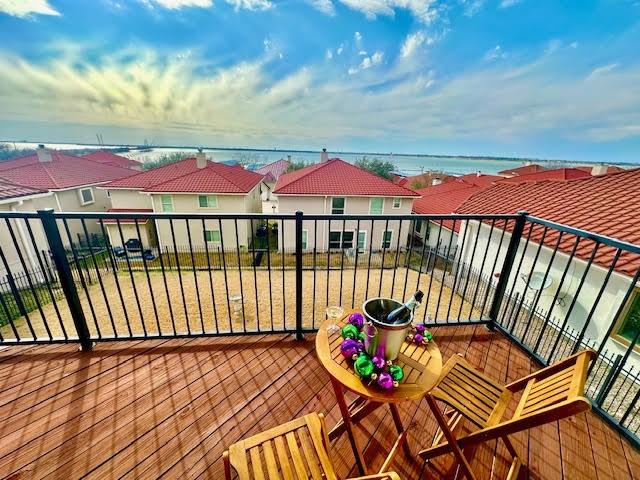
(395, 414)
(348, 426)
(356, 414)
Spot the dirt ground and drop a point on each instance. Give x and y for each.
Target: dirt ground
(155, 304)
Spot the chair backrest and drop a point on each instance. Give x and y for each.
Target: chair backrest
(297, 450)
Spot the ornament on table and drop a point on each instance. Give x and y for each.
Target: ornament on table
(363, 366)
(419, 334)
(357, 320)
(350, 331)
(350, 347)
(385, 381)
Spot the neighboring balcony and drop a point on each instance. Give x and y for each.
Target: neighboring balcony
(174, 338)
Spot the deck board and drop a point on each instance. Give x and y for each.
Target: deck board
(168, 408)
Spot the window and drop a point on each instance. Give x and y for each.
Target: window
(427, 231)
(629, 322)
(207, 201)
(375, 206)
(167, 203)
(386, 239)
(397, 202)
(418, 226)
(305, 239)
(338, 241)
(362, 240)
(86, 196)
(212, 235)
(337, 205)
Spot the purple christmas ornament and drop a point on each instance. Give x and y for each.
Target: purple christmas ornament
(378, 362)
(418, 338)
(420, 328)
(385, 381)
(349, 347)
(357, 320)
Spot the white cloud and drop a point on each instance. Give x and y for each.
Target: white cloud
(340, 49)
(471, 7)
(357, 37)
(23, 8)
(362, 53)
(367, 62)
(509, 3)
(328, 54)
(596, 72)
(412, 43)
(250, 4)
(495, 53)
(237, 4)
(573, 45)
(423, 10)
(325, 6)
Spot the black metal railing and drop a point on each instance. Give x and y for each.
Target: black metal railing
(552, 289)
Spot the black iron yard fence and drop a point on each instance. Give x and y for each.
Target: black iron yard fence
(552, 289)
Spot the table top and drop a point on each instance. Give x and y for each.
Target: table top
(422, 365)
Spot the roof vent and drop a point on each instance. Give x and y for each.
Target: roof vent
(201, 159)
(324, 156)
(44, 155)
(600, 169)
(436, 181)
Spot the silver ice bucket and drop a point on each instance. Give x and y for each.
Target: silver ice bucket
(382, 339)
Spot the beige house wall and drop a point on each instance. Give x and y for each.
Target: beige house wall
(289, 204)
(129, 199)
(147, 233)
(70, 201)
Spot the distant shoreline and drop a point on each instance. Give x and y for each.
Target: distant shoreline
(341, 152)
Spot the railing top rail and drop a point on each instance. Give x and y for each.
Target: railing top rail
(172, 215)
(18, 215)
(603, 239)
(412, 216)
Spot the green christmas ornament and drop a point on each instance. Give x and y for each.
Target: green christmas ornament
(396, 372)
(350, 331)
(428, 335)
(363, 366)
(361, 337)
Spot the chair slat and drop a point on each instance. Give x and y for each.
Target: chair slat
(270, 460)
(283, 458)
(256, 463)
(309, 454)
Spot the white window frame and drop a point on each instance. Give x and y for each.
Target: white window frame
(208, 197)
(162, 202)
(399, 200)
(212, 230)
(305, 238)
(364, 242)
(82, 200)
(383, 240)
(344, 208)
(371, 205)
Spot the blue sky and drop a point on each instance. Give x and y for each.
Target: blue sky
(543, 78)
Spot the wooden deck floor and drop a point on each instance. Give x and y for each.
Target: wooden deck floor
(167, 409)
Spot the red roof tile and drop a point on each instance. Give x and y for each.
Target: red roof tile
(63, 171)
(185, 176)
(524, 170)
(425, 179)
(109, 158)
(610, 168)
(14, 190)
(337, 177)
(606, 204)
(480, 179)
(556, 174)
(273, 171)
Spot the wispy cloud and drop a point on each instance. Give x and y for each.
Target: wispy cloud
(423, 10)
(237, 4)
(325, 6)
(509, 3)
(367, 62)
(412, 43)
(24, 8)
(471, 7)
(495, 53)
(596, 72)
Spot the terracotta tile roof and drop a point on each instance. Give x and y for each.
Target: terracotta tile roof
(185, 176)
(128, 210)
(444, 199)
(109, 158)
(556, 174)
(13, 190)
(273, 171)
(63, 171)
(480, 179)
(524, 170)
(425, 179)
(337, 177)
(606, 204)
(610, 168)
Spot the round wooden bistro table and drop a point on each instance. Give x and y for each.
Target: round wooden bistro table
(422, 365)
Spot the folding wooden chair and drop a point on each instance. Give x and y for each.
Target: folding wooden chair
(548, 395)
(301, 448)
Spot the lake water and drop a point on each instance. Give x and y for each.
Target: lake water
(406, 164)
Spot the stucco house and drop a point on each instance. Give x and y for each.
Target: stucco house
(107, 157)
(606, 204)
(191, 185)
(336, 187)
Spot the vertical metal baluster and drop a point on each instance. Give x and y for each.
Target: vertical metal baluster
(634, 403)
(384, 251)
(341, 260)
(46, 278)
(22, 310)
(355, 267)
(224, 269)
(244, 317)
(269, 272)
(114, 269)
(284, 297)
(104, 293)
(133, 283)
(435, 260)
(328, 257)
(444, 271)
(407, 263)
(458, 268)
(632, 383)
(213, 296)
(517, 273)
(608, 386)
(395, 262)
(466, 282)
(166, 286)
(493, 269)
(484, 259)
(366, 294)
(315, 250)
(146, 271)
(195, 273)
(255, 277)
(177, 259)
(82, 281)
(575, 298)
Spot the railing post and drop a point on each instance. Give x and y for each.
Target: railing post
(509, 259)
(65, 276)
(299, 335)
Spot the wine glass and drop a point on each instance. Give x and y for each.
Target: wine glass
(334, 313)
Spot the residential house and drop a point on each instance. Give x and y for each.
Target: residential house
(70, 179)
(523, 170)
(424, 180)
(192, 185)
(555, 174)
(107, 157)
(336, 187)
(274, 170)
(606, 204)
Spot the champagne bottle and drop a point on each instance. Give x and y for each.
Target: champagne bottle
(403, 312)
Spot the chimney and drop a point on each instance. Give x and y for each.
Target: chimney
(289, 158)
(44, 155)
(478, 173)
(201, 159)
(324, 156)
(436, 181)
(600, 169)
